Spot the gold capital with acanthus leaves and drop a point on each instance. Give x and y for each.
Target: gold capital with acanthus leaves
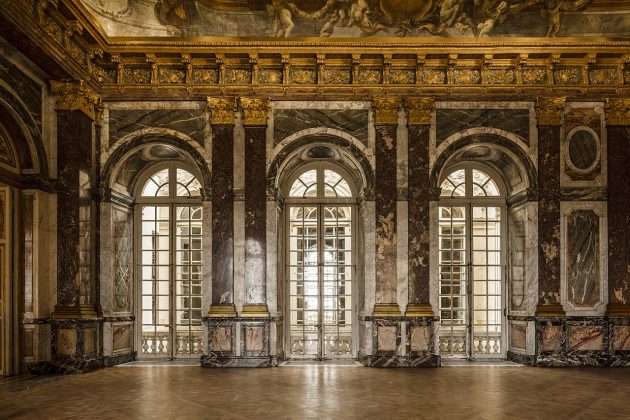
(255, 111)
(549, 110)
(75, 96)
(419, 110)
(386, 110)
(618, 111)
(222, 110)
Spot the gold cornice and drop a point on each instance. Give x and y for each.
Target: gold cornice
(386, 110)
(419, 110)
(618, 111)
(549, 110)
(255, 111)
(222, 110)
(73, 96)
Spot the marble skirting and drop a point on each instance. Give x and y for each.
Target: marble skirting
(119, 359)
(427, 360)
(522, 359)
(237, 362)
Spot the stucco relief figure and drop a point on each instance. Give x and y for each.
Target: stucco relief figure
(179, 16)
(554, 7)
(496, 11)
(341, 13)
(451, 15)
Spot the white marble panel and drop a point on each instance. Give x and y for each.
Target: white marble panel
(239, 255)
(369, 268)
(531, 267)
(273, 260)
(402, 249)
(600, 209)
(434, 280)
(106, 259)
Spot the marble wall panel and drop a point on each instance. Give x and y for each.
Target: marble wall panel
(66, 343)
(89, 341)
(518, 335)
(551, 339)
(419, 338)
(122, 336)
(451, 121)
(387, 338)
(517, 258)
(586, 338)
(29, 92)
(188, 121)
(122, 242)
(221, 339)
(290, 121)
(620, 337)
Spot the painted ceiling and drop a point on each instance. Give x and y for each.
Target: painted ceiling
(362, 18)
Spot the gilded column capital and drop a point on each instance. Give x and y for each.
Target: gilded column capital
(255, 111)
(221, 110)
(386, 110)
(419, 110)
(618, 111)
(75, 96)
(549, 110)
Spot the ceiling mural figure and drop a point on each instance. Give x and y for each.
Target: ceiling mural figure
(358, 18)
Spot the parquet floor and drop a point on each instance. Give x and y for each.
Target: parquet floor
(328, 393)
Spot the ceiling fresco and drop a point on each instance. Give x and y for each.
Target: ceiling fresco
(362, 18)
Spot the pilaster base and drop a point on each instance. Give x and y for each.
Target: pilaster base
(76, 345)
(236, 362)
(425, 361)
(546, 311)
(222, 311)
(386, 310)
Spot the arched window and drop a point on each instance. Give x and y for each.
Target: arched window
(471, 247)
(169, 262)
(320, 208)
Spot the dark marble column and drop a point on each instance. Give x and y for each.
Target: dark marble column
(255, 113)
(549, 111)
(385, 197)
(76, 323)
(222, 121)
(618, 128)
(419, 111)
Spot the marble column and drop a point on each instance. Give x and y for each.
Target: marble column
(419, 112)
(618, 128)
(385, 197)
(222, 120)
(255, 114)
(76, 323)
(549, 112)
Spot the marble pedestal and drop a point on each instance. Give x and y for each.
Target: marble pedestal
(76, 345)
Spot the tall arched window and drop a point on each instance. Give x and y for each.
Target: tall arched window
(169, 260)
(320, 209)
(471, 263)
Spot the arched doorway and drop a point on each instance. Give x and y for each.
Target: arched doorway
(169, 220)
(320, 211)
(471, 261)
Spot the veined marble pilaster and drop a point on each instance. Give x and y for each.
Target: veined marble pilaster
(386, 119)
(618, 128)
(549, 112)
(222, 121)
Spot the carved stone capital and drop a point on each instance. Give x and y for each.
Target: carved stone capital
(419, 110)
(618, 111)
(549, 110)
(73, 96)
(386, 110)
(222, 110)
(255, 111)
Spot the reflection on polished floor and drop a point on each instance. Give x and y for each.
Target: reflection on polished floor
(328, 392)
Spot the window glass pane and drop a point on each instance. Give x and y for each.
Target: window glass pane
(157, 185)
(305, 184)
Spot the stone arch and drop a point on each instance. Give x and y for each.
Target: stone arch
(505, 154)
(173, 145)
(347, 154)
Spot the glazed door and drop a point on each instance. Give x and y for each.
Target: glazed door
(320, 276)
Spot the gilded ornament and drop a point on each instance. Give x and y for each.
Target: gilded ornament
(618, 112)
(171, 75)
(303, 76)
(336, 76)
(73, 96)
(429, 76)
(534, 76)
(222, 311)
(205, 76)
(386, 110)
(603, 76)
(386, 310)
(626, 77)
(137, 75)
(419, 110)
(255, 111)
(255, 311)
(269, 76)
(500, 76)
(237, 76)
(549, 110)
(222, 110)
(402, 76)
(466, 76)
(370, 76)
(568, 76)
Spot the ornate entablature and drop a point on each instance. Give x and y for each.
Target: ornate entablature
(439, 56)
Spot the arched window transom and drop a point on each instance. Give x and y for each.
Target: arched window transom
(320, 183)
(467, 182)
(163, 184)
